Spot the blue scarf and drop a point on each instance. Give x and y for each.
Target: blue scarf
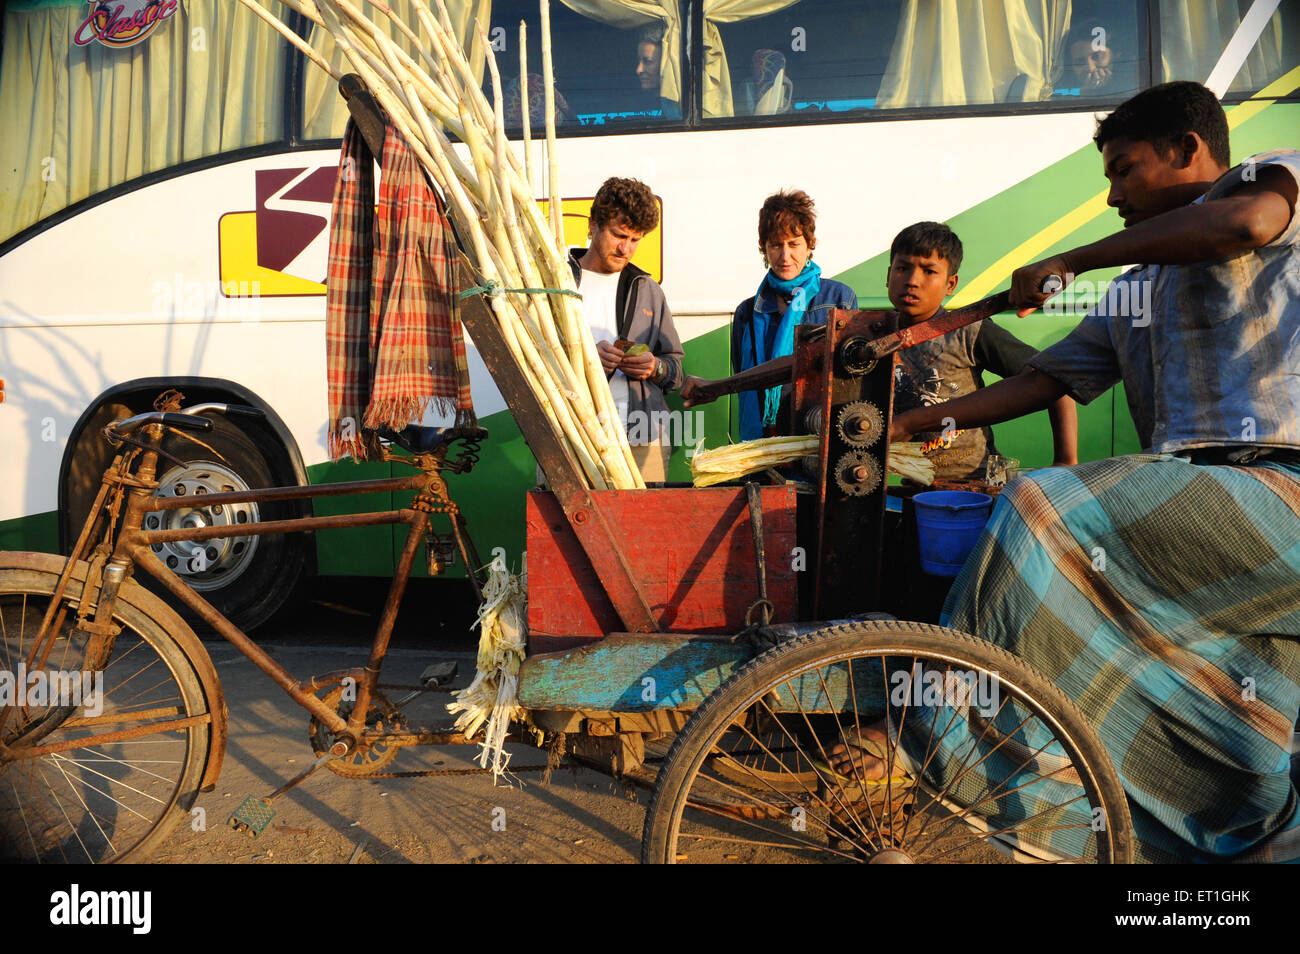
(802, 289)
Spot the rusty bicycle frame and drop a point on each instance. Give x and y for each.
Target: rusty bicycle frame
(123, 547)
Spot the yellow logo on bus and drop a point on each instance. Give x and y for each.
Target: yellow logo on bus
(281, 246)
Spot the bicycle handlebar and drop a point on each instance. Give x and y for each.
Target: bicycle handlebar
(239, 410)
(185, 420)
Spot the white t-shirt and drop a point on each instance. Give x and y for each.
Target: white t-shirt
(599, 296)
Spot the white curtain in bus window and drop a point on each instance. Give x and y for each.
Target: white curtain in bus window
(959, 54)
(1195, 33)
(76, 119)
(325, 114)
(635, 73)
(773, 57)
(772, 90)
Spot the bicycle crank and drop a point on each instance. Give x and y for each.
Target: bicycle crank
(366, 760)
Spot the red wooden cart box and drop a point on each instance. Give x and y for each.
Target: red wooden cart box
(690, 550)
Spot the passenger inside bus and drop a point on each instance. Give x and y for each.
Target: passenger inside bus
(769, 91)
(536, 103)
(1095, 66)
(649, 69)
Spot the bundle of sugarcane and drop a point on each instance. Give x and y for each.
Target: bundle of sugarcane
(491, 701)
(906, 460)
(734, 461)
(518, 255)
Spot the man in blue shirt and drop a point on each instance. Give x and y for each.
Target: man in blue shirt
(1161, 591)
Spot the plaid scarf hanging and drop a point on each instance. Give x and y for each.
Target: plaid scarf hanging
(394, 343)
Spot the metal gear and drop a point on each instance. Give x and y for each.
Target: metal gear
(365, 761)
(860, 423)
(857, 473)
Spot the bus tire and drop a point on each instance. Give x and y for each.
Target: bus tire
(247, 579)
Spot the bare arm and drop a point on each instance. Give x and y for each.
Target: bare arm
(774, 373)
(1065, 431)
(1250, 217)
(1000, 401)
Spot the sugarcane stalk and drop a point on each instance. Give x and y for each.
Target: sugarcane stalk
(292, 37)
(424, 95)
(525, 95)
(552, 158)
(528, 273)
(440, 102)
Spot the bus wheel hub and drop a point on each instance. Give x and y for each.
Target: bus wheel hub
(204, 564)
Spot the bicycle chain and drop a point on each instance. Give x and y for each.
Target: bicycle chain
(427, 773)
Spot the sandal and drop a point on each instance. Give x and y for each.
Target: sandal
(855, 739)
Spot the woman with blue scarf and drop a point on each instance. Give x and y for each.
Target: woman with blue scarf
(792, 293)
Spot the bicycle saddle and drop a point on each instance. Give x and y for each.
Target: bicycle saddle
(424, 440)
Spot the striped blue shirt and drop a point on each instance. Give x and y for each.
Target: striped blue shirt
(1209, 353)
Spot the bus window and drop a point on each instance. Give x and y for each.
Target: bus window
(614, 61)
(325, 114)
(842, 55)
(1195, 33)
(91, 101)
(979, 54)
(1101, 55)
(800, 57)
(609, 62)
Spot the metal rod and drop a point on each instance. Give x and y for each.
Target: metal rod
(145, 559)
(90, 741)
(262, 528)
(419, 527)
(268, 494)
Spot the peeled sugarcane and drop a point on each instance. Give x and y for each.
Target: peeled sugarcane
(553, 166)
(513, 247)
(709, 467)
(906, 460)
(525, 104)
(491, 701)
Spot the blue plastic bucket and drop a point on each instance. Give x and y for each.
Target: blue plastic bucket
(948, 522)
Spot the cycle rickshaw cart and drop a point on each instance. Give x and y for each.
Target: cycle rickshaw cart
(742, 619)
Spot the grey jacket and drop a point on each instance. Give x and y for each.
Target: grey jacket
(644, 318)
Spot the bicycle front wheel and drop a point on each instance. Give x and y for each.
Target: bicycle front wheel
(959, 752)
(98, 765)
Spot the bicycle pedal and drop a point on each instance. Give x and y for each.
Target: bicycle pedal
(438, 674)
(252, 817)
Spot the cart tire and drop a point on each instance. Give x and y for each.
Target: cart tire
(108, 801)
(975, 759)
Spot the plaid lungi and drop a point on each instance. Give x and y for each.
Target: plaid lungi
(1164, 598)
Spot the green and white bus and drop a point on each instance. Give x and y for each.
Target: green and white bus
(166, 170)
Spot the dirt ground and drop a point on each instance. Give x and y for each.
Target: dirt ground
(578, 816)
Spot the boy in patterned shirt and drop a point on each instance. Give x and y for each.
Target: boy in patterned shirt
(923, 263)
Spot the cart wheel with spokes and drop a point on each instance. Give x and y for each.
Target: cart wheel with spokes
(105, 775)
(962, 753)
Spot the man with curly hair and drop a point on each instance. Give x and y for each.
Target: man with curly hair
(625, 309)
